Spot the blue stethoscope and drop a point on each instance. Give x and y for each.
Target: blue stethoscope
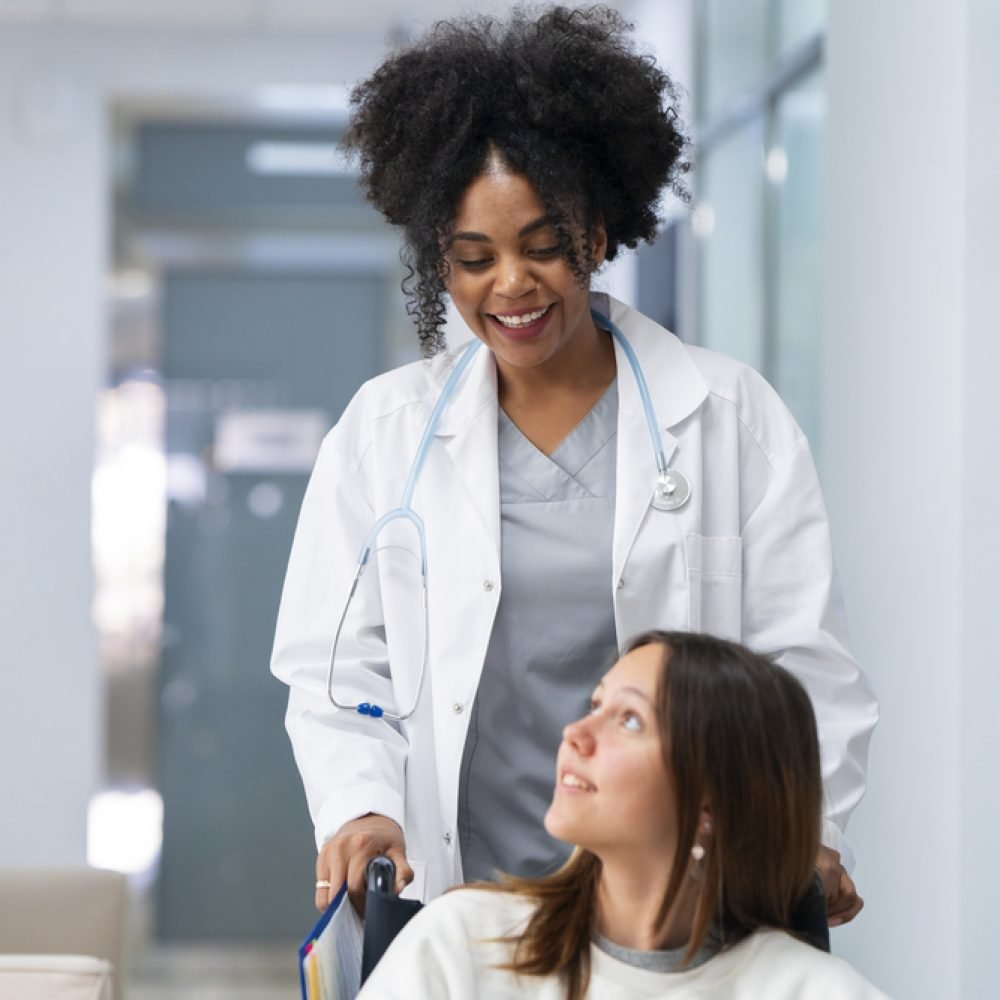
(671, 492)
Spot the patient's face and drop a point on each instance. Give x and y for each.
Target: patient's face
(613, 793)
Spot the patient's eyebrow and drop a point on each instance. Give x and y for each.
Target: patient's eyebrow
(634, 690)
(630, 688)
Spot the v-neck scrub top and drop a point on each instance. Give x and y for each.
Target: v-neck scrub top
(553, 638)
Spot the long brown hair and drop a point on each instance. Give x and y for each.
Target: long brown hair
(738, 731)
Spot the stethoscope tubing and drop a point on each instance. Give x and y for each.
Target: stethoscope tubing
(649, 411)
(405, 509)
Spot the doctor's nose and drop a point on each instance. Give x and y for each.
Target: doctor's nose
(515, 280)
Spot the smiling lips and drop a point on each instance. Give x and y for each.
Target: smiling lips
(570, 780)
(521, 325)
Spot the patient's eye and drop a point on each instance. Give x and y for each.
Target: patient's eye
(631, 721)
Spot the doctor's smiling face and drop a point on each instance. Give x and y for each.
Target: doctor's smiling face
(509, 278)
(614, 794)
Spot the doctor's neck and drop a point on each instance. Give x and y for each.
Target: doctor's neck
(582, 366)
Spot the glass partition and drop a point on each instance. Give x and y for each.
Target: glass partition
(797, 22)
(728, 224)
(756, 231)
(734, 52)
(796, 180)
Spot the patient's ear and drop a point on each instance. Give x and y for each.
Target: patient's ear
(705, 823)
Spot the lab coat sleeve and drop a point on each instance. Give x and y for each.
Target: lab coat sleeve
(793, 610)
(351, 765)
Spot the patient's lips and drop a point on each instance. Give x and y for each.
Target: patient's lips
(572, 781)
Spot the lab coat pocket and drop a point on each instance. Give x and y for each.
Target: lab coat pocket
(715, 585)
(418, 887)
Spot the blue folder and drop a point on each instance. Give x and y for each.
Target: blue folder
(330, 956)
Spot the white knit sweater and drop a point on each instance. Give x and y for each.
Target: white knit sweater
(449, 951)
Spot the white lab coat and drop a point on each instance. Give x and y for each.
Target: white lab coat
(748, 558)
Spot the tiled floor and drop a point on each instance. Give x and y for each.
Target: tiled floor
(204, 972)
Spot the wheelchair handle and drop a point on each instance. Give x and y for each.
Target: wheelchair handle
(380, 875)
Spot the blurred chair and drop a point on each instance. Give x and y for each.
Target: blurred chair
(73, 913)
(55, 977)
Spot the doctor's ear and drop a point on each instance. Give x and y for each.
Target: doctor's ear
(597, 240)
(444, 270)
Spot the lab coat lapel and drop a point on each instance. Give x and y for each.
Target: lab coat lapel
(468, 430)
(636, 465)
(676, 388)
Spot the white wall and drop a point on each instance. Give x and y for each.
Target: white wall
(912, 443)
(665, 28)
(980, 712)
(56, 85)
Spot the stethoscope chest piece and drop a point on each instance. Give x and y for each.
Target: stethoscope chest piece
(672, 490)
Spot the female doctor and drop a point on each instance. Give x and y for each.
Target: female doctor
(574, 476)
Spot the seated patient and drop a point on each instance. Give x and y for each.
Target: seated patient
(692, 793)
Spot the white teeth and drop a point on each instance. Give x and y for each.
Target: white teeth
(525, 319)
(574, 782)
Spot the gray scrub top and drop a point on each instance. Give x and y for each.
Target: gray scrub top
(552, 640)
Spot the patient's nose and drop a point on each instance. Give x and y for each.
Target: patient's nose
(579, 736)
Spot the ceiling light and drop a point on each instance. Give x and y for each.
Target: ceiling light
(298, 159)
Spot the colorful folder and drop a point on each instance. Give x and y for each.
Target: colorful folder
(330, 957)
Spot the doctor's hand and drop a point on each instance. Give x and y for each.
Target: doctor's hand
(843, 903)
(345, 855)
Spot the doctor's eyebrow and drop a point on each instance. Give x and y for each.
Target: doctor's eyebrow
(473, 237)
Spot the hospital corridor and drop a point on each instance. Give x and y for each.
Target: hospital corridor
(199, 281)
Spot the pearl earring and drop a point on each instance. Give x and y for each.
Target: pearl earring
(698, 854)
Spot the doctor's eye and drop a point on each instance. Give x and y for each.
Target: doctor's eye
(594, 707)
(545, 253)
(475, 265)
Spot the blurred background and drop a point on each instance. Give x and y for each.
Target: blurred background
(191, 289)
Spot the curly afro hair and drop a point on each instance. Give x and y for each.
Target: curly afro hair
(562, 98)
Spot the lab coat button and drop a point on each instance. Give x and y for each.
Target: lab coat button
(457, 708)
(487, 584)
(621, 583)
(447, 838)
